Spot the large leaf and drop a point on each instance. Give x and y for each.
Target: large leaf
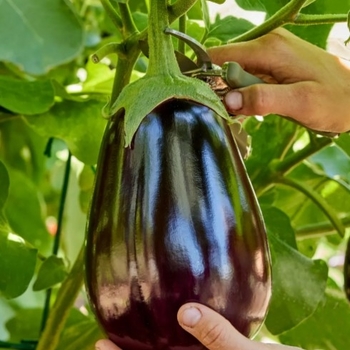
(327, 329)
(38, 35)
(26, 97)
(17, 258)
(298, 286)
(228, 27)
(17, 263)
(79, 124)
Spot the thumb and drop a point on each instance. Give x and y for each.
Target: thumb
(211, 329)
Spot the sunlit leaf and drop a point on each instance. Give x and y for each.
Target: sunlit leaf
(25, 209)
(17, 263)
(26, 97)
(44, 34)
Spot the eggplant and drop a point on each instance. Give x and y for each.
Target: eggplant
(173, 219)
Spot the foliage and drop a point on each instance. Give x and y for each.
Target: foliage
(52, 98)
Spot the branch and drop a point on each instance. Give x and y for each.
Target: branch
(112, 13)
(289, 14)
(306, 19)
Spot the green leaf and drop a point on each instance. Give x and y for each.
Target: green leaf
(47, 34)
(26, 97)
(228, 28)
(156, 89)
(298, 286)
(79, 124)
(51, 272)
(326, 329)
(278, 224)
(17, 263)
(4, 185)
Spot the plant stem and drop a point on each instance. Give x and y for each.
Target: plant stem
(105, 50)
(287, 164)
(129, 27)
(112, 13)
(179, 9)
(306, 19)
(58, 234)
(285, 15)
(319, 229)
(65, 299)
(123, 70)
(162, 59)
(182, 28)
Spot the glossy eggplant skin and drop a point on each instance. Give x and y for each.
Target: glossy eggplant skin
(174, 219)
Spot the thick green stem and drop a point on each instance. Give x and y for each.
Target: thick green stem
(162, 59)
(306, 19)
(112, 13)
(179, 9)
(59, 313)
(108, 49)
(129, 27)
(123, 71)
(182, 28)
(285, 15)
(320, 228)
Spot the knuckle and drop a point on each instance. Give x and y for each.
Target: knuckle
(213, 337)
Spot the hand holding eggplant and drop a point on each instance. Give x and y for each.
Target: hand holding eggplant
(211, 329)
(306, 83)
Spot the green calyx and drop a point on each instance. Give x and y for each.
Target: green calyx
(163, 79)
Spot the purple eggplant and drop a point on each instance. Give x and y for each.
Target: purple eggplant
(174, 219)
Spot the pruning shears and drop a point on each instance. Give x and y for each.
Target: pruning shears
(222, 79)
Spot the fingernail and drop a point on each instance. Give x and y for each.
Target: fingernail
(191, 316)
(234, 100)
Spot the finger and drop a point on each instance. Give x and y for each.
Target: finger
(211, 329)
(105, 344)
(298, 101)
(259, 55)
(216, 333)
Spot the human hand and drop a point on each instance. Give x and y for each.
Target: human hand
(211, 329)
(305, 83)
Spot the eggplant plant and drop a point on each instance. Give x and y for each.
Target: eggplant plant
(99, 124)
